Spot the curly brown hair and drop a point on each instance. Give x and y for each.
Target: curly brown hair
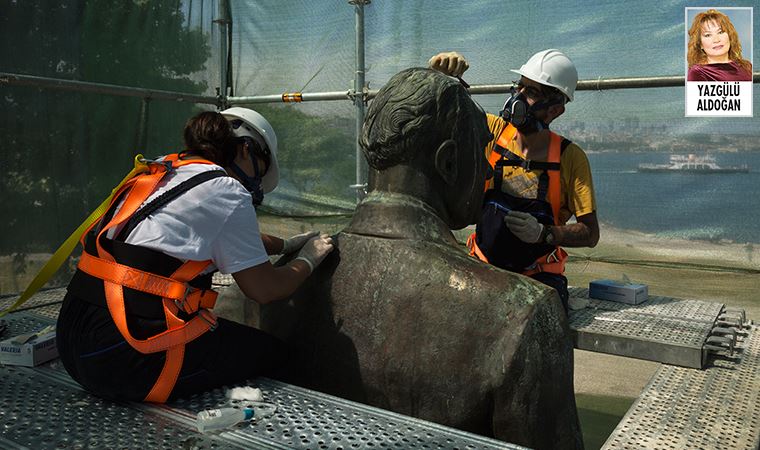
(210, 136)
(695, 54)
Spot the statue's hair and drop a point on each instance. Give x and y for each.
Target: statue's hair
(415, 111)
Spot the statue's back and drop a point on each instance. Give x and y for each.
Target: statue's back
(421, 329)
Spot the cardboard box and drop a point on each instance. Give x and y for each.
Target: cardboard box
(618, 291)
(29, 349)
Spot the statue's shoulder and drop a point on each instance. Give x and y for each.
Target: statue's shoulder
(442, 268)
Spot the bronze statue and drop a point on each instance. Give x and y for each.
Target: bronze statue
(401, 318)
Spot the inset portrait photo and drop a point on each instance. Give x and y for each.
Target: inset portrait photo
(718, 61)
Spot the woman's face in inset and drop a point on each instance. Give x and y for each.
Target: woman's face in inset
(715, 42)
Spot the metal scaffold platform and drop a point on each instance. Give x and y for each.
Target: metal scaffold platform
(664, 329)
(714, 408)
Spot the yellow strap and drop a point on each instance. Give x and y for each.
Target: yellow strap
(63, 252)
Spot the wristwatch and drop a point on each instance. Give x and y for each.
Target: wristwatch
(548, 235)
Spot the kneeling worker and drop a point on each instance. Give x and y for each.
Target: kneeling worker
(136, 321)
(540, 178)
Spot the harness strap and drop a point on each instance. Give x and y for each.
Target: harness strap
(552, 262)
(528, 164)
(165, 198)
(474, 250)
(187, 298)
(132, 278)
(499, 148)
(501, 157)
(555, 153)
(175, 355)
(175, 291)
(138, 192)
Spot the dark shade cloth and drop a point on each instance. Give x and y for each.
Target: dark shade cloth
(730, 71)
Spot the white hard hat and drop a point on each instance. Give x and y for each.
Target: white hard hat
(256, 126)
(551, 68)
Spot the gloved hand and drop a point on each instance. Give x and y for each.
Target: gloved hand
(315, 251)
(449, 63)
(524, 226)
(294, 243)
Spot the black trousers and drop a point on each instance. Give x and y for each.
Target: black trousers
(558, 282)
(96, 355)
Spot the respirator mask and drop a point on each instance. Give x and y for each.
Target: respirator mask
(252, 184)
(521, 115)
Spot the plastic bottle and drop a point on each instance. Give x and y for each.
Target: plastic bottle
(215, 419)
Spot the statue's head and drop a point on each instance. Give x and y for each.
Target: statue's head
(427, 124)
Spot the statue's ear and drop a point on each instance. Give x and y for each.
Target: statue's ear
(446, 161)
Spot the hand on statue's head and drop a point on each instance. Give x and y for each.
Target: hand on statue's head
(449, 63)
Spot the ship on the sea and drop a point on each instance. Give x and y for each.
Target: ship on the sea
(693, 164)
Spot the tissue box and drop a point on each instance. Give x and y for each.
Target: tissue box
(618, 291)
(29, 349)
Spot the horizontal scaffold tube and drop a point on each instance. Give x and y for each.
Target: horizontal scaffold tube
(13, 79)
(583, 85)
(111, 89)
(288, 97)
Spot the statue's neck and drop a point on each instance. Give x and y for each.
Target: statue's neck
(399, 216)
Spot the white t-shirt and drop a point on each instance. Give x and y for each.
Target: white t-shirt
(214, 220)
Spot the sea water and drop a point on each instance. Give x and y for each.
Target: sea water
(714, 207)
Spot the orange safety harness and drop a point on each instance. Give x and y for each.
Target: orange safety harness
(554, 261)
(175, 291)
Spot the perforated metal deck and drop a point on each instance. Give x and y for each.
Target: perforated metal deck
(44, 408)
(664, 329)
(718, 408)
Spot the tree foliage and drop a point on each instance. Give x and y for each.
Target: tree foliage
(62, 152)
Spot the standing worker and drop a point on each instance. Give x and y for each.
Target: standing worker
(136, 321)
(540, 178)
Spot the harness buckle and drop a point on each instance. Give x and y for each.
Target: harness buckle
(181, 303)
(168, 165)
(526, 165)
(213, 323)
(552, 257)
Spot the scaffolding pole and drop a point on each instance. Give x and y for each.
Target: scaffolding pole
(12, 79)
(142, 126)
(224, 23)
(359, 97)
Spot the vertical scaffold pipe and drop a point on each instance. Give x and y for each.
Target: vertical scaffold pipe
(142, 127)
(359, 97)
(224, 28)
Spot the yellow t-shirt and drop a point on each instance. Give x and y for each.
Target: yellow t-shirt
(576, 185)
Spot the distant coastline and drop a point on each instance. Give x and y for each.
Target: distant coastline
(636, 244)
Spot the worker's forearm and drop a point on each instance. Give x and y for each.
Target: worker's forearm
(273, 245)
(285, 280)
(575, 235)
(265, 283)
